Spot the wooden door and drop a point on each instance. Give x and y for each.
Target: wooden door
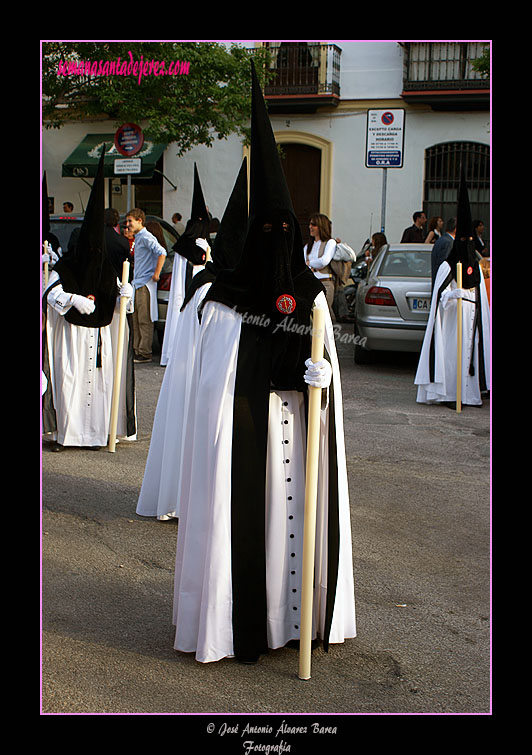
(302, 169)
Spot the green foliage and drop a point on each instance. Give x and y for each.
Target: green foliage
(208, 98)
(482, 64)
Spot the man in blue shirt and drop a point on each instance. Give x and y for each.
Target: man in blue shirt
(149, 258)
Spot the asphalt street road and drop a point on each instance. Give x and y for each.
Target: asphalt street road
(420, 501)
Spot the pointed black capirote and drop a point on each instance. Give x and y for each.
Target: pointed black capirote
(268, 188)
(46, 232)
(464, 220)
(271, 280)
(463, 249)
(45, 218)
(197, 226)
(199, 208)
(231, 235)
(272, 261)
(229, 241)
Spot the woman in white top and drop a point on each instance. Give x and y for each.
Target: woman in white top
(435, 226)
(319, 253)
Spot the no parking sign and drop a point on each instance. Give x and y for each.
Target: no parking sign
(385, 139)
(129, 139)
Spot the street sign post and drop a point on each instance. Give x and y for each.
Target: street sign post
(385, 145)
(129, 140)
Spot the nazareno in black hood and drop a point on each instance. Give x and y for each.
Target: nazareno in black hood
(86, 269)
(197, 227)
(271, 283)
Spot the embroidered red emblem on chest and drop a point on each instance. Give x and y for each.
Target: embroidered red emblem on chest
(469, 270)
(285, 304)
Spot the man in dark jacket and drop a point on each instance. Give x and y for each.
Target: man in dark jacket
(415, 234)
(442, 247)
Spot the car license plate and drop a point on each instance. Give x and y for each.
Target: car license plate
(421, 304)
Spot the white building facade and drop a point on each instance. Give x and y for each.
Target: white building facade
(318, 102)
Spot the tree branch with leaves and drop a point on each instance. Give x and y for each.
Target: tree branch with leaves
(186, 93)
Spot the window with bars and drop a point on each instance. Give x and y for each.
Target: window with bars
(433, 65)
(442, 177)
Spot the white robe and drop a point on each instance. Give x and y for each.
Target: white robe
(82, 392)
(203, 584)
(158, 494)
(442, 322)
(175, 302)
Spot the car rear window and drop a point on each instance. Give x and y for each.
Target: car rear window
(406, 264)
(63, 230)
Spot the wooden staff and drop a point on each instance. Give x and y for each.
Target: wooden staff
(46, 265)
(311, 492)
(118, 363)
(459, 340)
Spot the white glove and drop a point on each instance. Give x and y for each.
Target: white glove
(83, 305)
(125, 289)
(51, 257)
(203, 244)
(318, 374)
(456, 293)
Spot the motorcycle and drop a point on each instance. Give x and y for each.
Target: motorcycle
(344, 300)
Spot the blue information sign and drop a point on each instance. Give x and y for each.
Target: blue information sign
(385, 139)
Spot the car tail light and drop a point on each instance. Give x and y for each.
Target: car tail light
(382, 297)
(164, 282)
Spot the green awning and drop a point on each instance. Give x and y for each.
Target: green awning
(83, 161)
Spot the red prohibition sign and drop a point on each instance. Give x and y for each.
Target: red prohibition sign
(387, 119)
(129, 139)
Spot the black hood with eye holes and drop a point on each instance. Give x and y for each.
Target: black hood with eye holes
(276, 303)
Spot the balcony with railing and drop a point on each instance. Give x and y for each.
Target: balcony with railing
(442, 75)
(305, 76)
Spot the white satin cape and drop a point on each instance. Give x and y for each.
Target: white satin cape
(202, 587)
(175, 302)
(159, 491)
